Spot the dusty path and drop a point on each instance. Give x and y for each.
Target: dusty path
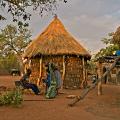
(105, 107)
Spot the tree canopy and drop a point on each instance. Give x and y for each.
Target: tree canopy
(19, 8)
(113, 43)
(13, 40)
(116, 37)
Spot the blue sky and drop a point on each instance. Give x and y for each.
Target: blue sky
(87, 20)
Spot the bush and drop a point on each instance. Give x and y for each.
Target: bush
(13, 97)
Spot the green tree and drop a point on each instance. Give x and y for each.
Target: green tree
(116, 37)
(113, 38)
(91, 66)
(7, 62)
(14, 40)
(113, 43)
(109, 50)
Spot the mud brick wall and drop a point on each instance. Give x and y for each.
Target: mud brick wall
(74, 73)
(35, 67)
(73, 69)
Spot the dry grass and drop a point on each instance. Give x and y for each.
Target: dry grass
(55, 40)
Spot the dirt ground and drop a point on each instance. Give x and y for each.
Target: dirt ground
(93, 107)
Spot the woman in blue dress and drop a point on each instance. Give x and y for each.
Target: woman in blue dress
(53, 81)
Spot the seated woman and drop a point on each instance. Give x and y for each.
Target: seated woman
(24, 81)
(47, 79)
(53, 81)
(58, 78)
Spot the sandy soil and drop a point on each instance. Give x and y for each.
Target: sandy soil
(93, 107)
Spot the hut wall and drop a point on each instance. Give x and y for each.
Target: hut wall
(73, 69)
(57, 60)
(74, 73)
(35, 66)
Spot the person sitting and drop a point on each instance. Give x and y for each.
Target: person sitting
(24, 82)
(53, 81)
(58, 78)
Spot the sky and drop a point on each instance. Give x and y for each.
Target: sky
(88, 21)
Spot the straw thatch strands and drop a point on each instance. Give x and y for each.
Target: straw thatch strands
(56, 45)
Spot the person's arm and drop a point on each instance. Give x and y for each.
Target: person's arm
(22, 78)
(25, 78)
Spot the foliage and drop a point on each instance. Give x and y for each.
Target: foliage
(113, 43)
(91, 66)
(8, 62)
(13, 40)
(19, 8)
(116, 37)
(11, 98)
(113, 38)
(109, 50)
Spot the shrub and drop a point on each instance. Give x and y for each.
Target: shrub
(13, 97)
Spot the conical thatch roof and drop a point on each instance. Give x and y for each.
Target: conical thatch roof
(55, 40)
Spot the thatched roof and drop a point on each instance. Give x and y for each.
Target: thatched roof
(55, 40)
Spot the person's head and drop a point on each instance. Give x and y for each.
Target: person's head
(28, 71)
(47, 67)
(50, 66)
(53, 66)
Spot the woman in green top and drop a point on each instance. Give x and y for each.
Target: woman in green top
(55, 81)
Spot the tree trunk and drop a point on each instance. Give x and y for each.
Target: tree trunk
(118, 76)
(99, 88)
(20, 61)
(63, 74)
(84, 81)
(40, 72)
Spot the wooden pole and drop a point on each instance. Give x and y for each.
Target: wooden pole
(40, 72)
(84, 78)
(25, 64)
(86, 91)
(63, 75)
(117, 75)
(29, 63)
(86, 75)
(99, 71)
(21, 64)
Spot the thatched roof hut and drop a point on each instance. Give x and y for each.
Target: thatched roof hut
(56, 45)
